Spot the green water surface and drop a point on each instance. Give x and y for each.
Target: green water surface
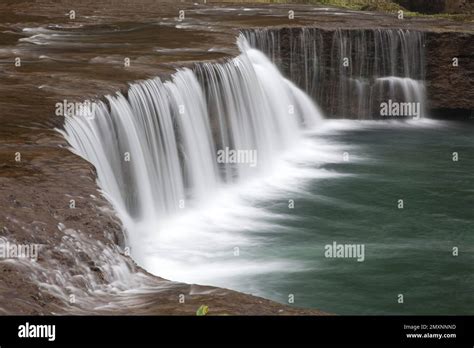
(408, 251)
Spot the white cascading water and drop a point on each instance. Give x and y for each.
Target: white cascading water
(383, 64)
(155, 153)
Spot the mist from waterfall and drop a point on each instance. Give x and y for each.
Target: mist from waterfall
(155, 151)
(349, 72)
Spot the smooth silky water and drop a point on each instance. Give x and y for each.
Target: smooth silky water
(188, 218)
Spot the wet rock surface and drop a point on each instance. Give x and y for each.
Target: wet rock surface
(450, 74)
(58, 58)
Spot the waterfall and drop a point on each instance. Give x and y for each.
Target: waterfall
(349, 72)
(155, 149)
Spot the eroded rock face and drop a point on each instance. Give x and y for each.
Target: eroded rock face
(450, 74)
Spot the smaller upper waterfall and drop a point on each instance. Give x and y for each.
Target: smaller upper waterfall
(350, 73)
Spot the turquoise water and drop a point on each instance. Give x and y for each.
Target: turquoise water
(408, 251)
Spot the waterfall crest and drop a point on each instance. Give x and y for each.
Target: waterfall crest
(349, 72)
(155, 149)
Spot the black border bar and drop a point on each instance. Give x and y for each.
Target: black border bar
(223, 330)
